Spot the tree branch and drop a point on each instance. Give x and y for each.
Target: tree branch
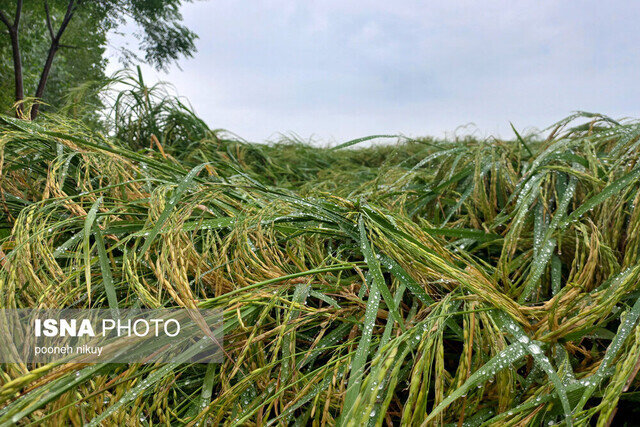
(66, 20)
(5, 19)
(48, 15)
(53, 48)
(16, 21)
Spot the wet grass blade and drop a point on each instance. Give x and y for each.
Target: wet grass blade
(364, 345)
(105, 268)
(88, 225)
(359, 140)
(171, 204)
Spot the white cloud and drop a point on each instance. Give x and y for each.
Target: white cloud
(339, 69)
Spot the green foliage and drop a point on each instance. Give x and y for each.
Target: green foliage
(79, 62)
(163, 39)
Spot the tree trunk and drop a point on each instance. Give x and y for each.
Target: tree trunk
(43, 77)
(17, 66)
(15, 49)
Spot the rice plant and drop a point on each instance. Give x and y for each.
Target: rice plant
(425, 282)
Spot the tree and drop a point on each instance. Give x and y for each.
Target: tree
(78, 25)
(80, 61)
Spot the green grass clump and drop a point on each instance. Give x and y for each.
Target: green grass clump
(425, 282)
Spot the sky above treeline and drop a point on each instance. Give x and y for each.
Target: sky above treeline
(337, 70)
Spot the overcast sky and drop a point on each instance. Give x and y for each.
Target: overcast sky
(337, 70)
